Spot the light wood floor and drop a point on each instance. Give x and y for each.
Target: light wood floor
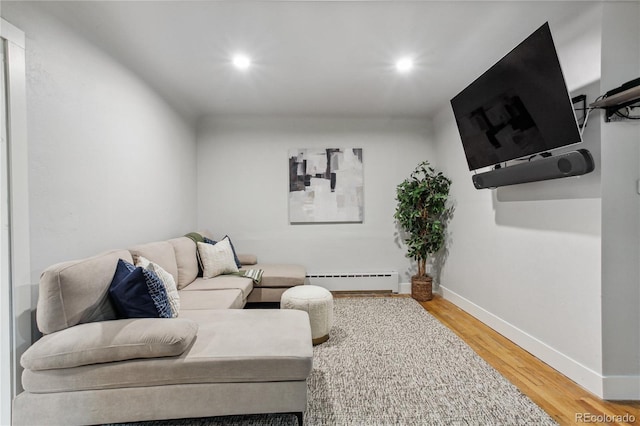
(559, 396)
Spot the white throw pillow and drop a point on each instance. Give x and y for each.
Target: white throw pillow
(168, 281)
(217, 259)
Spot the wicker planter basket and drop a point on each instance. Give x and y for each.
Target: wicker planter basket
(422, 288)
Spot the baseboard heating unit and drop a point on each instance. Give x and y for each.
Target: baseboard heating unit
(356, 281)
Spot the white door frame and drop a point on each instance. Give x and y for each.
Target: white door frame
(15, 270)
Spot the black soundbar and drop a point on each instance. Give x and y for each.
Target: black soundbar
(574, 163)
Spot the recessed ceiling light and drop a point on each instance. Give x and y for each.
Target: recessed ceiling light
(404, 65)
(240, 61)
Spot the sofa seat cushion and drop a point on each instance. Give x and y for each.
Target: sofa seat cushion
(232, 346)
(280, 275)
(77, 292)
(110, 341)
(210, 299)
(222, 282)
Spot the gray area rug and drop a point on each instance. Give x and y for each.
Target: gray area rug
(390, 362)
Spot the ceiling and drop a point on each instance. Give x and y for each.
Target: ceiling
(318, 57)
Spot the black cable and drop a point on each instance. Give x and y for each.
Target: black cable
(628, 116)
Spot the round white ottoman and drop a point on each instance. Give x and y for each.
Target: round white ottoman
(317, 302)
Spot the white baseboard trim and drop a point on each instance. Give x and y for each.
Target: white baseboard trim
(582, 375)
(404, 288)
(621, 388)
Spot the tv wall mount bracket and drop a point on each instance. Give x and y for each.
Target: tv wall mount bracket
(628, 94)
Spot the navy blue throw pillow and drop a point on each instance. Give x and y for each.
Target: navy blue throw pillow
(138, 293)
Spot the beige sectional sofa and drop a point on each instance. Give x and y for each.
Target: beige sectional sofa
(214, 359)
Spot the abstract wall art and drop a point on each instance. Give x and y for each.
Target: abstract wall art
(326, 185)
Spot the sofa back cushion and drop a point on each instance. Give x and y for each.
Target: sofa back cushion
(186, 260)
(76, 292)
(160, 252)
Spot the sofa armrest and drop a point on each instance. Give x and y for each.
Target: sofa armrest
(109, 341)
(248, 259)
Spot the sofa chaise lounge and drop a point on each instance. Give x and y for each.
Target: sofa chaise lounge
(214, 359)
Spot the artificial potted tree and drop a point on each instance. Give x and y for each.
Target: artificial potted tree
(420, 212)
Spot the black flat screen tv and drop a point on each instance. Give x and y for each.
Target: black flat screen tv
(517, 108)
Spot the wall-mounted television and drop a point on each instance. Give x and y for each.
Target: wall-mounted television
(517, 108)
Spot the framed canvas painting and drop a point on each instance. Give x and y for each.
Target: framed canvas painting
(326, 185)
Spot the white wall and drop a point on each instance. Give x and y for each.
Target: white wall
(526, 259)
(243, 188)
(528, 268)
(620, 210)
(110, 163)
